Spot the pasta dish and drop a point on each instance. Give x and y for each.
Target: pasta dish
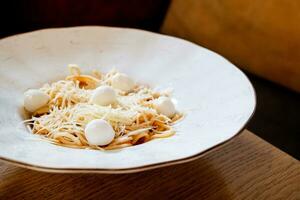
(99, 111)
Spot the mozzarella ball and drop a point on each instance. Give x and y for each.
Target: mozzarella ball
(122, 82)
(35, 99)
(99, 132)
(165, 106)
(103, 96)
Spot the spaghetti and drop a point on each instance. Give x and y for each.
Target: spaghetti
(133, 116)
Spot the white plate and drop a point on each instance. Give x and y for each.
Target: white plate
(217, 98)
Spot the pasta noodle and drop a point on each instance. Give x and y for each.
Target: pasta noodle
(133, 117)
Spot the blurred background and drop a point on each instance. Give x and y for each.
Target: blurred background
(261, 37)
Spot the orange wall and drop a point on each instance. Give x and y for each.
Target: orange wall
(262, 37)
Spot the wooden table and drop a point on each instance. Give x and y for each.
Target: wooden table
(247, 167)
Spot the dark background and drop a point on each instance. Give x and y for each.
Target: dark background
(27, 15)
(277, 115)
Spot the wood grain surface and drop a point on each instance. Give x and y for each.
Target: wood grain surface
(262, 37)
(247, 167)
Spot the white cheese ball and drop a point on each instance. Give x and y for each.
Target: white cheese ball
(35, 99)
(99, 132)
(103, 96)
(165, 106)
(122, 82)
